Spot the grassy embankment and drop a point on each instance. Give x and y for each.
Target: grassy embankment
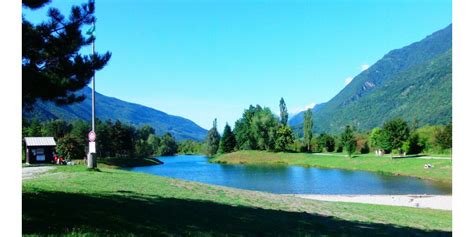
(71, 200)
(414, 167)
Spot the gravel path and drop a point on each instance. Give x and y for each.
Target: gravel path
(442, 202)
(33, 172)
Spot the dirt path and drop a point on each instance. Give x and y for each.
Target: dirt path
(33, 172)
(442, 202)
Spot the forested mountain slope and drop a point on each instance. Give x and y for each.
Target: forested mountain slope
(413, 82)
(115, 109)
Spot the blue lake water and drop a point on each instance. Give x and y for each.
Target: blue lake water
(290, 179)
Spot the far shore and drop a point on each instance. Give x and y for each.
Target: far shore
(440, 202)
(440, 171)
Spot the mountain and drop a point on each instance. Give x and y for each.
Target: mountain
(413, 82)
(299, 117)
(115, 109)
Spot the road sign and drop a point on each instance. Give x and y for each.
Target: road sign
(91, 136)
(91, 147)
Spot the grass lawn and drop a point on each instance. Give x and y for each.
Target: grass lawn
(73, 201)
(441, 171)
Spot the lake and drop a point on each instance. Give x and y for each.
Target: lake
(290, 179)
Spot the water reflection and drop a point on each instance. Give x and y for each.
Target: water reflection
(291, 179)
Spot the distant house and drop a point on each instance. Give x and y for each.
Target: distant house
(39, 149)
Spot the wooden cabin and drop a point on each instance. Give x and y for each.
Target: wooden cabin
(40, 149)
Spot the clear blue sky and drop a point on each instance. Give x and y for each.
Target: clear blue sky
(212, 59)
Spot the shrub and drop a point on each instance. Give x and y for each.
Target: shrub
(69, 148)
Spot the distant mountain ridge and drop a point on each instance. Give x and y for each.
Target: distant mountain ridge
(115, 109)
(413, 82)
(299, 117)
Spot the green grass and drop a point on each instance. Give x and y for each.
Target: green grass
(73, 201)
(442, 170)
(123, 162)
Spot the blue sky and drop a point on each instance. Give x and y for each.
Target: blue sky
(209, 59)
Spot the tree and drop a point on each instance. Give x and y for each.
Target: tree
(327, 142)
(70, 148)
(348, 140)
(213, 138)
(308, 128)
(443, 138)
(394, 133)
(56, 128)
(144, 132)
(413, 145)
(375, 140)
(35, 129)
(283, 112)
(263, 127)
(143, 149)
(189, 147)
(284, 138)
(227, 143)
(52, 67)
(154, 142)
(168, 145)
(243, 134)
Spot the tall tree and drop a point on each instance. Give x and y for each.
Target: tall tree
(168, 146)
(348, 140)
(264, 126)
(242, 130)
(213, 139)
(228, 142)
(395, 133)
(52, 67)
(308, 128)
(283, 112)
(443, 137)
(284, 138)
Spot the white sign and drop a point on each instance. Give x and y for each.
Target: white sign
(92, 136)
(91, 147)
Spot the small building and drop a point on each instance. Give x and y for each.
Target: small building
(39, 149)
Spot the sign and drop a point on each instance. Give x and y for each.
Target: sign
(91, 136)
(91, 147)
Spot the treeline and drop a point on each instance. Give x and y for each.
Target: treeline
(260, 129)
(257, 129)
(114, 139)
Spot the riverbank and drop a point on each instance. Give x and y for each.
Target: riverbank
(440, 202)
(124, 203)
(123, 162)
(441, 170)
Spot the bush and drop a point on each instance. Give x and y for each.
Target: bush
(69, 148)
(412, 145)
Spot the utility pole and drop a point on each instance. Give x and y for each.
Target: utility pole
(91, 158)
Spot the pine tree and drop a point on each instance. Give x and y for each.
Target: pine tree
(52, 67)
(283, 112)
(348, 140)
(308, 128)
(213, 139)
(228, 142)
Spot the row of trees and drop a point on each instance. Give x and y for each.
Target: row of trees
(257, 129)
(114, 139)
(260, 129)
(398, 136)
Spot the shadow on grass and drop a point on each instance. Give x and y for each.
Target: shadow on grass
(125, 213)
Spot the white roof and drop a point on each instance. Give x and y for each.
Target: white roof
(40, 141)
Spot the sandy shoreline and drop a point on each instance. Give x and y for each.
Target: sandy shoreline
(442, 202)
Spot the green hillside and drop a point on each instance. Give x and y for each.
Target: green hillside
(115, 109)
(413, 82)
